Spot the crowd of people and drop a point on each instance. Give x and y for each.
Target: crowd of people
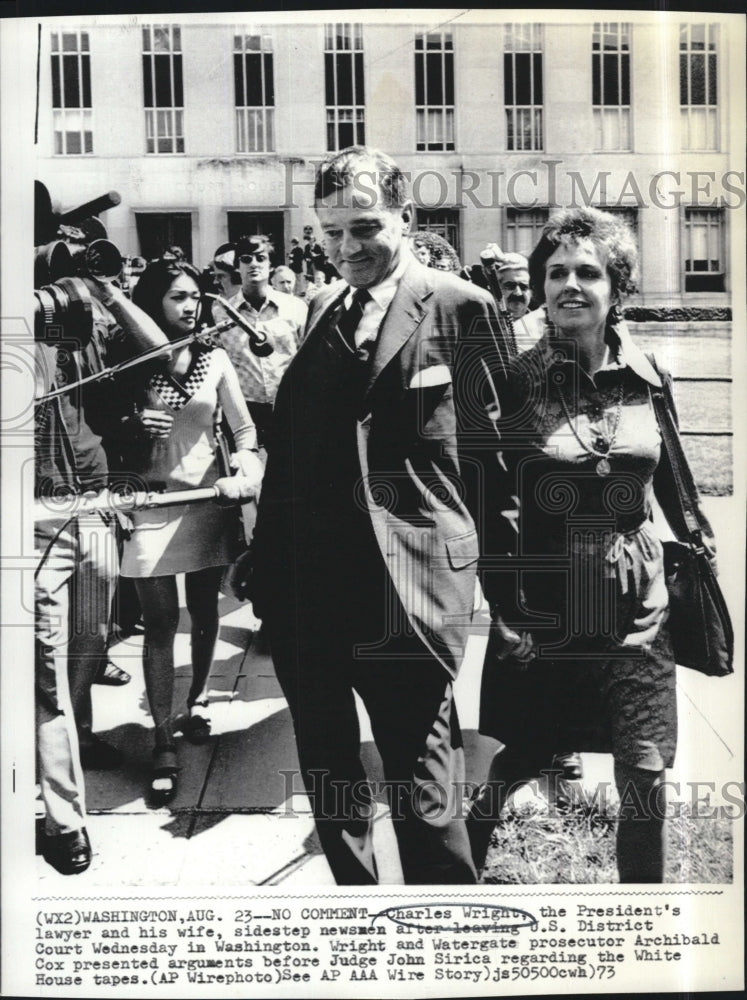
(406, 423)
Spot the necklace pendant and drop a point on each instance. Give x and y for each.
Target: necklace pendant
(603, 467)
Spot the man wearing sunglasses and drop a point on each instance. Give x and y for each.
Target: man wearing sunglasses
(279, 316)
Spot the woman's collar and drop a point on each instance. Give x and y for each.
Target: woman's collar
(623, 352)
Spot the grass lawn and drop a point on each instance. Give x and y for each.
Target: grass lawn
(710, 459)
(701, 406)
(531, 848)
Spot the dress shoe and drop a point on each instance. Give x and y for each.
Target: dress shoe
(112, 675)
(119, 632)
(68, 853)
(98, 755)
(163, 782)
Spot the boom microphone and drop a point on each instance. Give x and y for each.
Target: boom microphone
(105, 201)
(258, 342)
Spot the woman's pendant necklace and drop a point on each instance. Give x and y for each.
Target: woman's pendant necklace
(603, 467)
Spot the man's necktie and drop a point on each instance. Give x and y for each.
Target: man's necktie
(350, 318)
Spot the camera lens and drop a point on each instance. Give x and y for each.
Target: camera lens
(52, 262)
(51, 304)
(44, 306)
(66, 303)
(103, 260)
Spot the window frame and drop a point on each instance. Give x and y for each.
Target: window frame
(514, 211)
(246, 114)
(513, 46)
(444, 112)
(454, 218)
(64, 114)
(170, 115)
(174, 213)
(339, 115)
(711, 110)
(623, 30)
(720, 212)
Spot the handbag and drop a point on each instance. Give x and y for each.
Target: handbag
(699, 622)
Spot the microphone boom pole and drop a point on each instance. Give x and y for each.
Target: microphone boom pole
(139, 359)
(46, 508)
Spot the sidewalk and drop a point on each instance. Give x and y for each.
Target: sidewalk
(236, 821)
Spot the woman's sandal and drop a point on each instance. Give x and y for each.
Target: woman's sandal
(163, 776)
(196, 728)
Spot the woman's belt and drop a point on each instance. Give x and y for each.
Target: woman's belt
(612, 548)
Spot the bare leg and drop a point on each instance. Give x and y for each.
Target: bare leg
(202, 603)
(641, 829)
(160, 604)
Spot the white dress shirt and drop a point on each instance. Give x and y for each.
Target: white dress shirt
(376, 307)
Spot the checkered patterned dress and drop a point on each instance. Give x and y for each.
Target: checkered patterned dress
(183, 539)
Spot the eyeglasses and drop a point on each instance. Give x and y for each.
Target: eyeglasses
(247, 258)
(511, 286)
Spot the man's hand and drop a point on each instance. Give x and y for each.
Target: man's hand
(247, 463)
(492, 254)
(512, 647)
(101, 289)
(233, 489)
(246, 484)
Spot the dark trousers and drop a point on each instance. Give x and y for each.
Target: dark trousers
(409, 699)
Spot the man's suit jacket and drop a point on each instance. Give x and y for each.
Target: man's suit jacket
(426, 447)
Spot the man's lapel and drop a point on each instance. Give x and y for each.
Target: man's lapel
(324, 311)
(404, 316)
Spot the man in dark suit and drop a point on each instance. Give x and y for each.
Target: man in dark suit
(366, 545)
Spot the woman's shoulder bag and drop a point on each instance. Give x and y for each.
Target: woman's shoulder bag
(699, 622)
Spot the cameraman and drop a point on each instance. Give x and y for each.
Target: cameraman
(77, 555)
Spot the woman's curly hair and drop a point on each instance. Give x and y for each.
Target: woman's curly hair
(611, 235)
(440, 249)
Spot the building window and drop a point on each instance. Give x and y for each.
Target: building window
(524, 228)
(629, 215)
(343, 80)
(434, 90)
(157, 231)
(610, 85)
(255, 93)
(698, 86)
(270, 224)
(704, 250)
(443, 221)
(163, 89)
(522, 82)
(71, 92)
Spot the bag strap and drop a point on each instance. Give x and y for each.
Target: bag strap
(222, 451)
(687, 494)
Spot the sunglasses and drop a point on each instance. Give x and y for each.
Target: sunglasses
(260, 256)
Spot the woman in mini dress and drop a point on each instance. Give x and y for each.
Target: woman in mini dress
(172, 431)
